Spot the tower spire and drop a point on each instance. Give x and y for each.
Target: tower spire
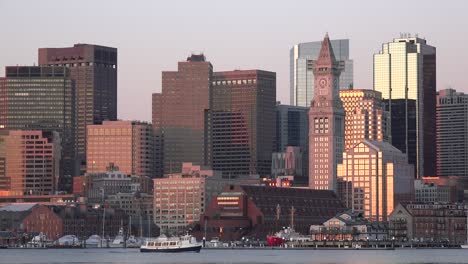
(326, 56)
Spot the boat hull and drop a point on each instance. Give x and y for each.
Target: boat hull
(172, 250)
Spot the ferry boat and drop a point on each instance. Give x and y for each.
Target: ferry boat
(163, 244)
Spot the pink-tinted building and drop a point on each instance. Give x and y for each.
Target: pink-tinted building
(30, 162)
(126, 144)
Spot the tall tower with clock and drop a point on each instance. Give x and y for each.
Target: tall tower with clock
(326, 121)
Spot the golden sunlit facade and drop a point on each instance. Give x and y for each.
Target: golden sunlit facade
(365, 117)
(374, 176)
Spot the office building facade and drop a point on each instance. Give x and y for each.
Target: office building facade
(93, 68)
(241, 122)
(326, 121)
(128, 145)
(452, 133)
(405, 74)
(41, 98)
(365, 116)
(302, 58)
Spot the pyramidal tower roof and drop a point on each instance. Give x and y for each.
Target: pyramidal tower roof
(326, 56)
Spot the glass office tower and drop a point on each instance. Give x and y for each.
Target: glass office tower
(302, 57)
(405, 74)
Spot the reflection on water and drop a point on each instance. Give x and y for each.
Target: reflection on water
(127, 256)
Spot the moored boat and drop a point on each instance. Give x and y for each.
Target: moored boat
(163, 244)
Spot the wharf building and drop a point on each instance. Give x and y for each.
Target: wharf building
(405, 74)
(326, 121)
(93, 69)
(42, 98)
(179, 114)
(302, 75)
(240, 124)
(452, 133)
(373, 178)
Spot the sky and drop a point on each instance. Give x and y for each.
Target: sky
(152, 36)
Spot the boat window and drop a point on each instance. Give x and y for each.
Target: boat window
(158, 244)
(151, 244)
(173, 243)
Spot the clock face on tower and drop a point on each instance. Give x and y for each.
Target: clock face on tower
(322, 82)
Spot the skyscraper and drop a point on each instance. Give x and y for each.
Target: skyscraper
(241, 122)
(42, 98)
(128, 145)
(452, 133)
(93, 68)
(179, 117)
(302, 56)
(365, 116)
(326, 121)
(405, 74)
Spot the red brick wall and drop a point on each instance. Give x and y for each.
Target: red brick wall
(42, 219)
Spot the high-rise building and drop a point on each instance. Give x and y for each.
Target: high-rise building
(373, 178)
(405, 74)
(292, 127)
(302, 57)
(289, 163)
(326, 121)
(42, 98)
(93, 68)
(452, 133)
(241, 122)
(365, 116)
(128, 145)
(30, 162)
(179, 113)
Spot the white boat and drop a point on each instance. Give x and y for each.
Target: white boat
(163, 244)
(68, 241)
(133, 242)
(94, 241)
(465, 246)
(119, 240)
(40, 240)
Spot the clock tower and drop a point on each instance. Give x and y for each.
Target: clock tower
(326, 121)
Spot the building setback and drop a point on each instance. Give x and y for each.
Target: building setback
(405, 74)
(302, 58)
(241, 122)
(42, 98)
(365, 116)
(179, 113)
(128, 145)
(452, 133)
(30, 162)
(93, 68)
(326, 121)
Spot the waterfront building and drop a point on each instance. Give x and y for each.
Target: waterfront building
(452, 133)
(241, 122)
(326, 121)
(257, 211)
(11, 215)
(179, 116)
(128, 145)
(429, 223)
(427, 192)
(405, 74)
(365, 116)
(30, 162)
(373, 178)
(93, 69)
(301, 78)
(42, 98)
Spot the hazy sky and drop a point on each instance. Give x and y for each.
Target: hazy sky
(152, 36)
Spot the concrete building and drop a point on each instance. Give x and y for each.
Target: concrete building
(241, 122)
(429, 222)
(30, 164)
(431, 193)
(365, 116)
(405, 74)
(289, 163)
(128, 145)
(301, 78)
(326, 121)
(93, 69)
(179, 116)
(452, 133)
(257, 211)
(42, 98)
(373, 178)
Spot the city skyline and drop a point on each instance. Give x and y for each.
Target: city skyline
(221, 37)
